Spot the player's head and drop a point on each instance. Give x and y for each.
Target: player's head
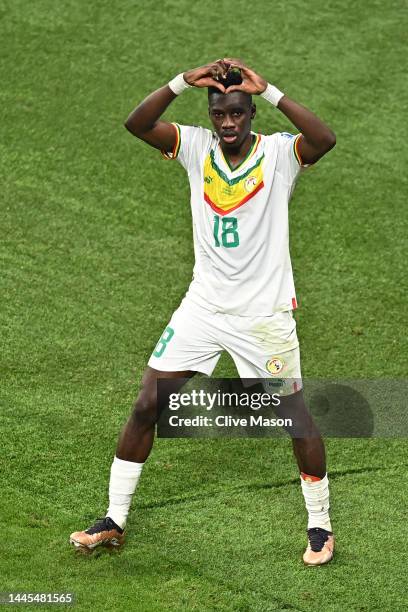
(231, 113)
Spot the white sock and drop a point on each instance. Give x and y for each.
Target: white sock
(124, 477)
(316, 494)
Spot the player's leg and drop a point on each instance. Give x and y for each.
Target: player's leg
(136, 439)
(133, 448)
(308, 446)
(186, 346)
(268, 348)
(310, 455)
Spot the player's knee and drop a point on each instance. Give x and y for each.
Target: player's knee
(145, 409)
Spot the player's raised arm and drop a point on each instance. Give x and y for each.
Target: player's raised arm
(316, 138)
(144, 121)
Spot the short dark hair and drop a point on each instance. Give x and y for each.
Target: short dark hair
(233, 78)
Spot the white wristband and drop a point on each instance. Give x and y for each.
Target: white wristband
(272, 94)
(178, 84)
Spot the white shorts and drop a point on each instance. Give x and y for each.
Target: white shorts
(261, 347)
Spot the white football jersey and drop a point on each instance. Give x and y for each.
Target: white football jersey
(240, 221)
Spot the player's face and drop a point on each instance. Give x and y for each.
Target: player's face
(231, 116)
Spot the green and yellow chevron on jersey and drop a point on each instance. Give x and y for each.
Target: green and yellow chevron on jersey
(225, 194)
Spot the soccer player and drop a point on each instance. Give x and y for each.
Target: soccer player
(242, 293)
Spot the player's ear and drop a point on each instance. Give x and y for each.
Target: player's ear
(253, 111)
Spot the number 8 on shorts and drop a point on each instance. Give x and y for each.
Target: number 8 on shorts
(162, 343)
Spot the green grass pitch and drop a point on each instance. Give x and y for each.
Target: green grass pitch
(96, 252)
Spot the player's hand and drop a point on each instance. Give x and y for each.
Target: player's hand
(206, 76)
(252, 82)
